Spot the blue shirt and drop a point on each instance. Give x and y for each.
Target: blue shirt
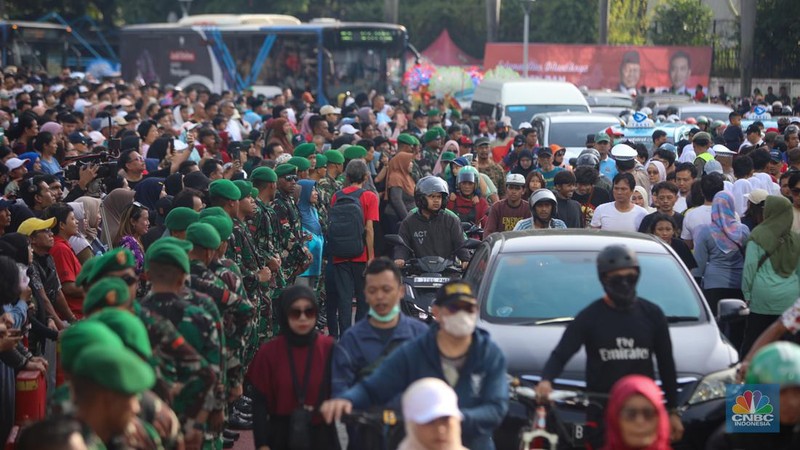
(527, 224)
(609, 168)
(52, 167)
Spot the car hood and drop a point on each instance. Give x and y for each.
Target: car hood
(698, 349)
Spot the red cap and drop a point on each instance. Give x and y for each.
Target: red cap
(610, 131)
(464, 140)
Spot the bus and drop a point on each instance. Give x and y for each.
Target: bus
(36, 45)
(267, 52)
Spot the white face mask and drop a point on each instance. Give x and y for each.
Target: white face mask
(460, 324)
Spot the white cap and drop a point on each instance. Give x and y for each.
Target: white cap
(328, 109)
(15, 163)
(756, 196)
(189, 126)
(428, 399)
(720, 149)
(125, 102)
(348, 129)
(179, 145)
(97, 137)
(515, 178)
(623, 152)
(525, 125)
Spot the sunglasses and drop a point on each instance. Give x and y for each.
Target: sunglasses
(630, 414)
(130, 280)
(295, 313)
(461, 306)
(290, 178)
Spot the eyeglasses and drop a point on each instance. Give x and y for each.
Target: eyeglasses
(630, 414)
(290, 178)
(130, 280)
(461, 306)
(561, 153)
(295, 313)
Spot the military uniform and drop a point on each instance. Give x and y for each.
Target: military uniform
(428, 160)
(496, 174)
(294, 256)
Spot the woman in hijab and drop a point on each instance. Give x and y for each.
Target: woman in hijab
(770, 280)
(111, 209)
(33, 164)
(159, 148)
(641, 198)
(148, 191)
(525, 165)
(399, 190)
(80, 245)
(719, 251)
(280, 133)
(307, 204)
(278, 374)
(91, 227)
(441, 166)
(656, 172)
(636, 417)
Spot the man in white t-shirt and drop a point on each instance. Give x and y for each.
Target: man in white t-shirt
(621, 214)
(685, 175)
(695, 218)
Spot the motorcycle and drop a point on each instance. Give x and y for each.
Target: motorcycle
(423, 276)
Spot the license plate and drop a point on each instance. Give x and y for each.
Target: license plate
(577, 434)
(431, 280)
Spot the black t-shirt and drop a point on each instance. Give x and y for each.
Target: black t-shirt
(618, 343)
(647, 222)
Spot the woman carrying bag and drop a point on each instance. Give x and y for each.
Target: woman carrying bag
(291, 377)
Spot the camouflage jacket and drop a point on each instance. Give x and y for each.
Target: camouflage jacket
(326, 187)
(428, 161)
(265, 234)
(498, 177)
(291, 237)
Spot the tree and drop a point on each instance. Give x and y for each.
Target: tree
(682, 22)
(628, 22)
(777, 36)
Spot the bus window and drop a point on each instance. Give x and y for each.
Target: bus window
(292, 60)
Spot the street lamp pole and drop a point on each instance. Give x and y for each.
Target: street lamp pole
(526, 6)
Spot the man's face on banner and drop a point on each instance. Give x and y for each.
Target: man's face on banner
(679, 72)
(629, 74)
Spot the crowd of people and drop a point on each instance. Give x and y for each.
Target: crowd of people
(184, 264)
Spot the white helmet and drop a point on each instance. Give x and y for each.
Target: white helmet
(541, 195)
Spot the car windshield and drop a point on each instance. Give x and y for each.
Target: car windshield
(524, 113)
(712, 115)
(574, 134)
(542, 286)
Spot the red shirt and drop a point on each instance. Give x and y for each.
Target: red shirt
(369, 204)
(67, 267)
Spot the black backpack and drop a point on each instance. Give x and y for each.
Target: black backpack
(346, 225)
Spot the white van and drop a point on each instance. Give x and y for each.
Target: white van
(522, 99)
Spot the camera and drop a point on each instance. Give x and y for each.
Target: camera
(106, 165)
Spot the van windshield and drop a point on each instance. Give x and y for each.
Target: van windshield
(569, 134)
(524, 113)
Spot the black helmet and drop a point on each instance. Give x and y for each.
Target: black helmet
(615, 257)
(427, 186)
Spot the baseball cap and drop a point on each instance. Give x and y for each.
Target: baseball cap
(702, 136)
(328, 109)
(545, 151)
(32, 225)
(524, 125)
(775, 155)
(428, 399)
(5, 204)
(464, 140)
(77, 138)
(481, 141)
(348, 129)
(515, 178)
(602, 137)
(612, 132)
(454, 291)
(756, 196)
(15, 163)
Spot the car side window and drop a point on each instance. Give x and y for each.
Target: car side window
(477, 266)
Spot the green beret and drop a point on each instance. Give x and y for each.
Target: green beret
(203, 235)
(434, 113)
(264, 174)
(334, 157)
(80, 335)
(223, 225)
(109, 291)
(285, 169)
(455, 114)
(169, 254)
(119, 370)
(129, 328)
(213, 211)
(440, 131)
(305, 150)
(430, 135)
(245, 188)
(171, 240)
(180, 218)
(322, 161)
(300, 162)
(416, 140)
(406, 139)
(448, 156)
(254, 193)
(112, 261)
(225, 189)
(355, 152)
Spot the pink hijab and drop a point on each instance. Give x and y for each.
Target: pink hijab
(623, 389)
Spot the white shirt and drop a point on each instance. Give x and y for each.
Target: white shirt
(687, 154)
(608, 218)
(680, 205)
(694, 220)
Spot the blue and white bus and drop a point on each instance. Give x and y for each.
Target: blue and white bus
(267, 52)
(35, 45)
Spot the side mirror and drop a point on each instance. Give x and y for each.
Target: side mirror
(471, 244)
(396, 240)
(731, 309)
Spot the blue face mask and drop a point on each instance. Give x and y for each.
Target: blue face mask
(388, 317)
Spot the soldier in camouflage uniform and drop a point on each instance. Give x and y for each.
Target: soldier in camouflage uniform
(167, 266)
(295, 256)
(486, 165)
(430, 154)
(184, 379)
(407, 143)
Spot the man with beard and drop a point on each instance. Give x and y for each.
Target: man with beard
(620, 332)
(543, 207)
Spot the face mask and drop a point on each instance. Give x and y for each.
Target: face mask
(621, 290)
(460, 324)
(388, 317)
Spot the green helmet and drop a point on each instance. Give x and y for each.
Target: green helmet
(702, 119)
(776, 363)
(716, 124)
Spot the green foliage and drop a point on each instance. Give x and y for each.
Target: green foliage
(562, 21)
(682, 22)
(777, 37)
(627, 22)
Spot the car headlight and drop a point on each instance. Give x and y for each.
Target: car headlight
(712, 386)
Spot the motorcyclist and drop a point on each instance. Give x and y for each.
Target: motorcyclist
(464, 205)
(543, 209)
(430, 231)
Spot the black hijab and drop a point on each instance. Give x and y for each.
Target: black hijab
(287, 299)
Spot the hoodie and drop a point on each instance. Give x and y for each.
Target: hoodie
(482, 386)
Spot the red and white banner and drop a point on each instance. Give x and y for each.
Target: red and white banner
(679, 69)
